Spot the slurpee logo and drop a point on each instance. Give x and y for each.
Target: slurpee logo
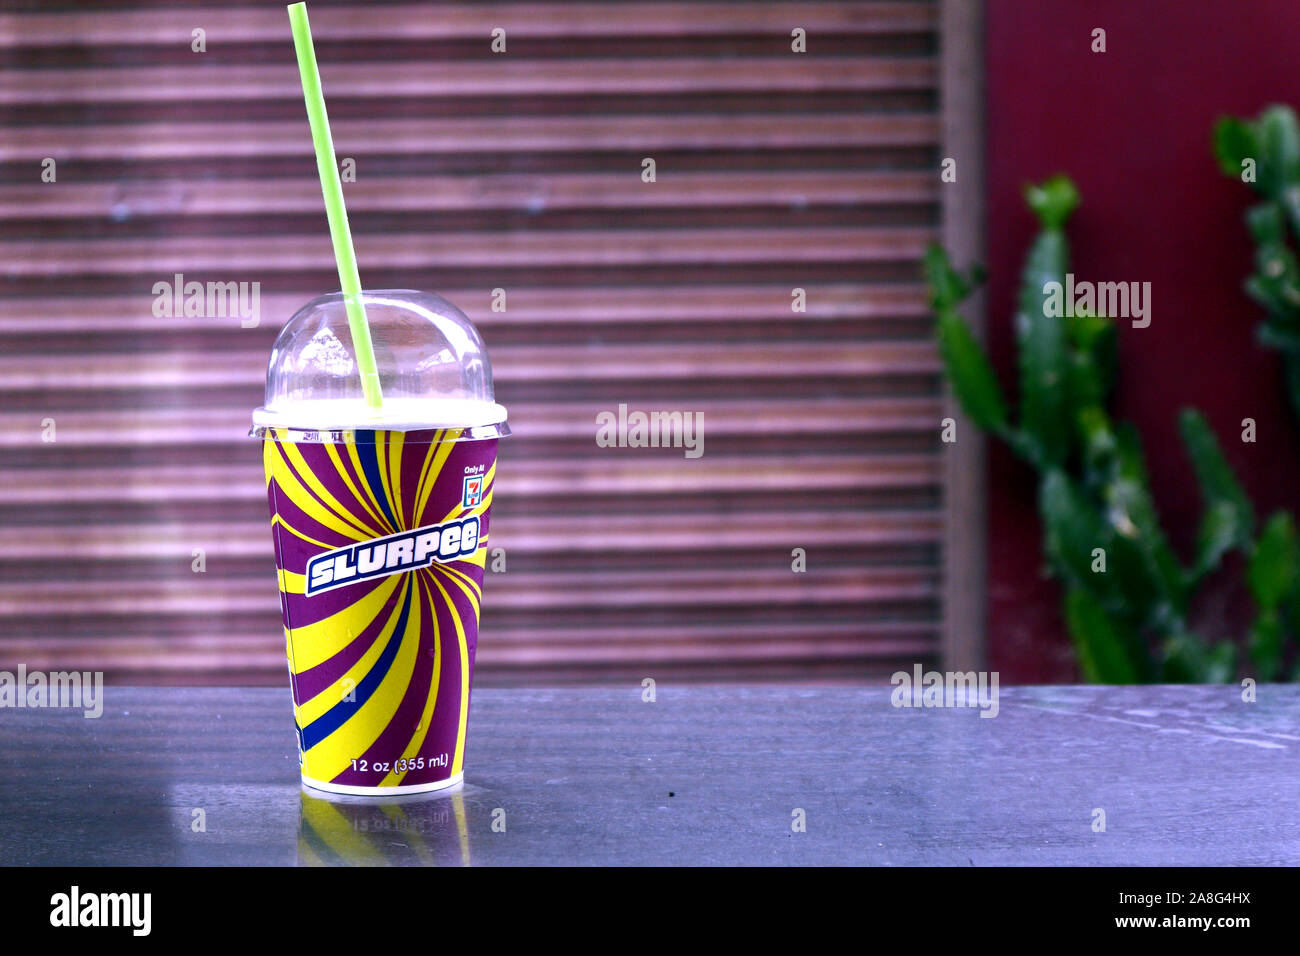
(393, 554)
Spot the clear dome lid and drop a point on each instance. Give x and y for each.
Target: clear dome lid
(433, 368)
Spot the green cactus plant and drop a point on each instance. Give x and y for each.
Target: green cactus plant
(1127, 593)
(1264, 153)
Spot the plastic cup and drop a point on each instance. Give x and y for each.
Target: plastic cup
(380, 519)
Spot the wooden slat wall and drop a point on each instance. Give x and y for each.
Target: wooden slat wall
(477, 171)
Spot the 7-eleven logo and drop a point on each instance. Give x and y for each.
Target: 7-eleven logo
(472, 493)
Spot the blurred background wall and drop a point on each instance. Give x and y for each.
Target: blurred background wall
(133, 532)
(1132, 126)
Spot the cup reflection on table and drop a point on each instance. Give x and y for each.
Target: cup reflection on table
(419, 830)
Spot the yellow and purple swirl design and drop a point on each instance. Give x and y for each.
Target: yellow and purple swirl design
(381, 667)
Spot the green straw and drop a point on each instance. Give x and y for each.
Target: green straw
(330, 185)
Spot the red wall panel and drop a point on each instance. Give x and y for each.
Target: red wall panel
(1132, 126)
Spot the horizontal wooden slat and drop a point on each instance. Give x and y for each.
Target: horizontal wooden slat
(191, 656)
(591, 477)
(173, 427)
(231, 84)
(435, 21)
(874, 638)
(508, 192)
(518, 364)
(253, 256)
(636, 135)
(597, 307)
(513, 591)
(576, 533)
(898, 643)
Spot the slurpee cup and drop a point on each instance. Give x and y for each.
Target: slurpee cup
(380, 521)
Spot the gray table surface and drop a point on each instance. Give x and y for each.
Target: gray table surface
(703, 775)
